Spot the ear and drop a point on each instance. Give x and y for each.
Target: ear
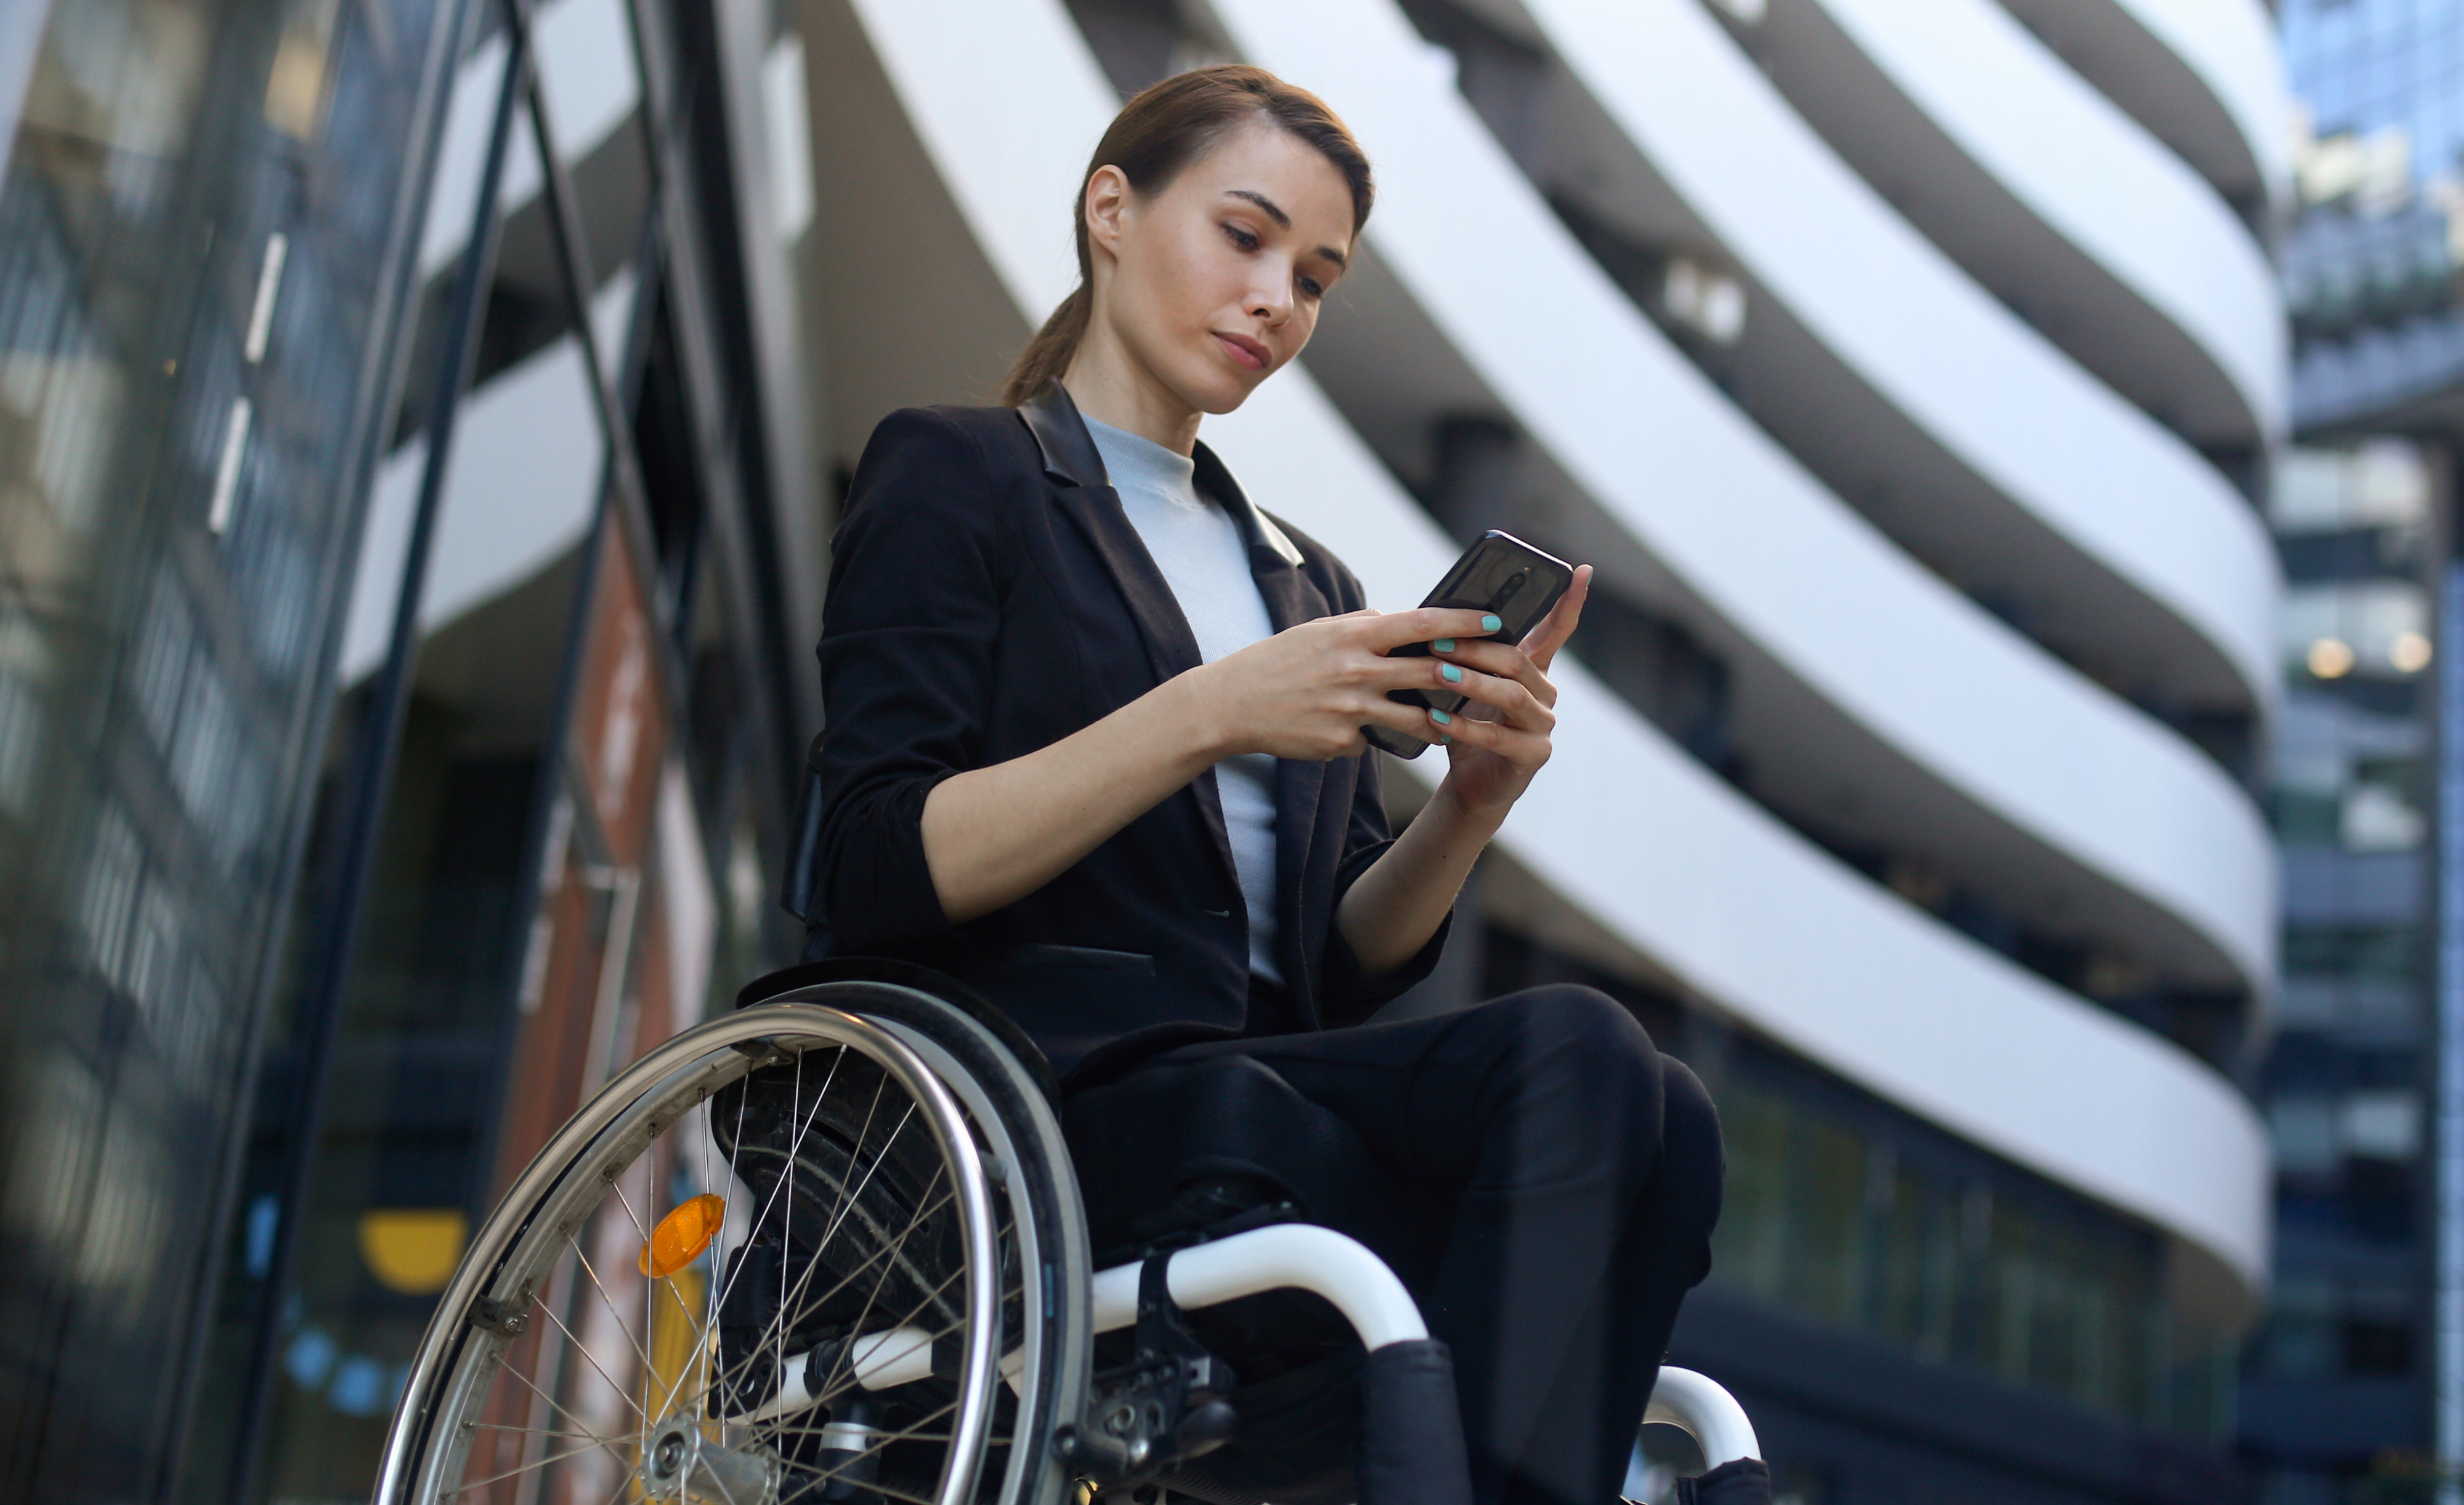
(1106, 206)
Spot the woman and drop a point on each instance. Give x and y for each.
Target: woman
(1095, 748)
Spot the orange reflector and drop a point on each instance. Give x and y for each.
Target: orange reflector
(682, 1235)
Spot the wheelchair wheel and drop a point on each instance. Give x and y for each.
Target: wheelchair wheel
(827, 1249)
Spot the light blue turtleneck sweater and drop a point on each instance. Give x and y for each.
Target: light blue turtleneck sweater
(1200, 550)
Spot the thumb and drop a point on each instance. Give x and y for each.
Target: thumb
(1542, 643)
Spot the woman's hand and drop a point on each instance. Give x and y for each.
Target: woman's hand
(1498, 742)
(1307, 690)
(1494, 746)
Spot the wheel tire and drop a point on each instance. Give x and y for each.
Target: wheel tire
(516, 1334)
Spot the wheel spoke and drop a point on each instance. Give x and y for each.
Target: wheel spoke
(887, 1250)
(552, 1404)
(832, 1388)
(533, 1432)
(584, 1349)
(774, 1334)
(608, 1301)
(527, 1467)
(795, 1148)
(649, 1296)
(874, 1446)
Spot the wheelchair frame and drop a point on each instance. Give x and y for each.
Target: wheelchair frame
(921, 1040)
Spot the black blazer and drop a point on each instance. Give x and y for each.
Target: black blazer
(988, 597)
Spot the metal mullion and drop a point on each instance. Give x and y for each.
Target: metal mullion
(624, 465)
(701, 375)
(652, 66)
(730, 432)
(328, 973)
(565, 225)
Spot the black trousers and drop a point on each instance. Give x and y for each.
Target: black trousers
(1550, 1185)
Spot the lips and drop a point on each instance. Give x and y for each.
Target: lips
(1251, 355)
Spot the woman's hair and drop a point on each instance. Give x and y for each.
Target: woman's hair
(1165, 129)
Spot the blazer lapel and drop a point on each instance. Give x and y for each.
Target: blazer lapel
(1084, 491)
(1172, 649)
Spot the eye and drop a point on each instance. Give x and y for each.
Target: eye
(1241, 237)
(1312, 287)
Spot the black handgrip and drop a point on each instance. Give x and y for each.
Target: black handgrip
(1739, 1481)
(1410, 1429)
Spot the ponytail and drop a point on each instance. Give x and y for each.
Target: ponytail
(1165, 129)
(1047, 356)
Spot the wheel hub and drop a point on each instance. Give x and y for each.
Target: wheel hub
(680, 1464)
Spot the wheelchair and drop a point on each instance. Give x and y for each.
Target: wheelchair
(829, 1248)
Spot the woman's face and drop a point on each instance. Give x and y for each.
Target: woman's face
(1216, 281)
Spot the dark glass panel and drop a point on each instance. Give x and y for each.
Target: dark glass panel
(198, 238)
(1842, 1211)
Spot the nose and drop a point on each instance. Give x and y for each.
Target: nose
(1271, 300)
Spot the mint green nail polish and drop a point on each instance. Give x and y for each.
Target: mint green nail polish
(1443, 644)
(1442, 718)
(1490, 623)
(1452, 675)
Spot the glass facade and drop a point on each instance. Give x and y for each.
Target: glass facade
(2335, 1389)
(391, 657)
(201, 267)
(2370, 262)
(2338, 1381)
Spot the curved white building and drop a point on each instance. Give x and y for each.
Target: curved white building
(1901, 774)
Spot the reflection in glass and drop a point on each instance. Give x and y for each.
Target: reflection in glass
(439, 966)
(195, 219)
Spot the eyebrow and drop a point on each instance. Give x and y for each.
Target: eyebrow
(1275, 212)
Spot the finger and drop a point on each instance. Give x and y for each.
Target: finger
(1525, 749)
(1542, 642)
(1512, 700)
(1423, 623)
(1501, 659)
(1411, 721)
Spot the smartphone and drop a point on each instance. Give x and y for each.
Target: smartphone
(1500, 574)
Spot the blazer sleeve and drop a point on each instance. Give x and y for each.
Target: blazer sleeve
(910, 629)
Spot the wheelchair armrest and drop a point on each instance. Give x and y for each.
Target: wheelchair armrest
(1703, 1410)
(1287, 1256)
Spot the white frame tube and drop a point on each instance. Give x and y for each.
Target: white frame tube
(1703, 1410)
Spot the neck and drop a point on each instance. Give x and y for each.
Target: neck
(1110, 385)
